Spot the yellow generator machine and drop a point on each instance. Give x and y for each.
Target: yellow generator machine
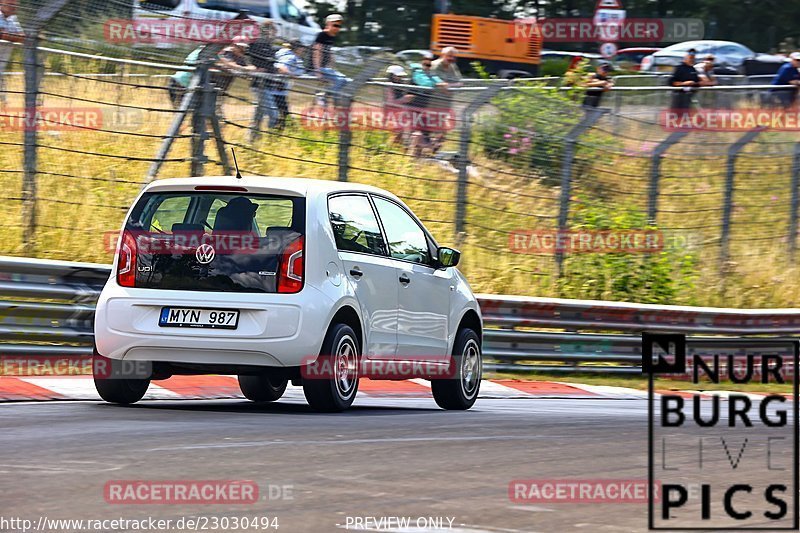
(506, 48)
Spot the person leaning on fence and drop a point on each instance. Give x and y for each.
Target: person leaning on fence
(289, 61)
(423, 76)
(598, 83)
(179, 82)
(788, 74)
(265, 86)
(685, 79)
(11, 31)
(323, 61)
(705, 71)
(395, 103)
(232, 61)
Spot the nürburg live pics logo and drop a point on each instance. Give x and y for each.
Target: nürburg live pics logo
(722, 451)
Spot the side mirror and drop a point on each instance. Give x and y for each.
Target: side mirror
(447, 257)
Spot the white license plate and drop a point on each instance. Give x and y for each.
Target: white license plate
(192, 317)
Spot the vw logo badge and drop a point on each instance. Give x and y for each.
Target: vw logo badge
(205, 254)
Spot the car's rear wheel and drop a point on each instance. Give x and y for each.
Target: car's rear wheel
(334, 387)
(460, 389)
(263, 388)
(113, 386)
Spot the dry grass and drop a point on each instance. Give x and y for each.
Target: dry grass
(83, 196)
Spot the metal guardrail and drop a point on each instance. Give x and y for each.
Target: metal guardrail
(47, 308)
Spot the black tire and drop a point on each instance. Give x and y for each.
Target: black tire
(263, 388)
(330, 391)
(117, 389)
(460, 389)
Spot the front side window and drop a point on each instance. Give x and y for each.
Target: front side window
(355, 226)
(406, 239)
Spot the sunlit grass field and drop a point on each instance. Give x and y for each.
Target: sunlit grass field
(87, 179)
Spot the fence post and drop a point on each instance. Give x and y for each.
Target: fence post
(371, 68)
(33, 77)
(200, 123)
(795, 184)
(462, 159)
(655, 172)
(32, 80)
(727, 209)
(589, 119)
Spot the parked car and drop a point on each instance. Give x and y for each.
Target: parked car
(290, 19)
(333, 273)
(356, 55)
(631, 58)
(730, 57)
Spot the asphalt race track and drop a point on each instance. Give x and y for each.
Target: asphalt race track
(384, 457)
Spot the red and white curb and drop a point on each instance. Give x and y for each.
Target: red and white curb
(221, 387)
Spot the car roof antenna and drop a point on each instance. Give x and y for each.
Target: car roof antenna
(238, 174)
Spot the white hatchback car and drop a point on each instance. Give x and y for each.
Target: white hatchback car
(279, 279)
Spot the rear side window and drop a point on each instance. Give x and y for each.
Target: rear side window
(248, 235)
(354, 225)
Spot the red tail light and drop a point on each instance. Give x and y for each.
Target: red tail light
(126, 260)
(292, 267)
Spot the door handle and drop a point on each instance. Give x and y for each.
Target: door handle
(356, 272)
(404, 279)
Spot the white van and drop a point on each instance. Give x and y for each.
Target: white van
(291, 20)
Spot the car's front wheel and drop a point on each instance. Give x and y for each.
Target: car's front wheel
(331, 385)
(460, 389)
(263, 388)
(113, 386)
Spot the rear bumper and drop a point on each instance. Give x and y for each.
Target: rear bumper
(273, 330)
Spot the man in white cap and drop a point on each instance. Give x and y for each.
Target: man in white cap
(322, 56)
(10, 30)
(395, 109)
(787, 75)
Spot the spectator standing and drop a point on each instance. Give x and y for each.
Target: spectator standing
(787, 75)
(685, 79)
(396, 101)
(322, 56)
(423, 76)
(265, 86)
(11, 31)
(598, 83)
(289, 61)
(446, 67)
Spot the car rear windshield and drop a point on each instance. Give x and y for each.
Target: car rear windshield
(213, 241)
